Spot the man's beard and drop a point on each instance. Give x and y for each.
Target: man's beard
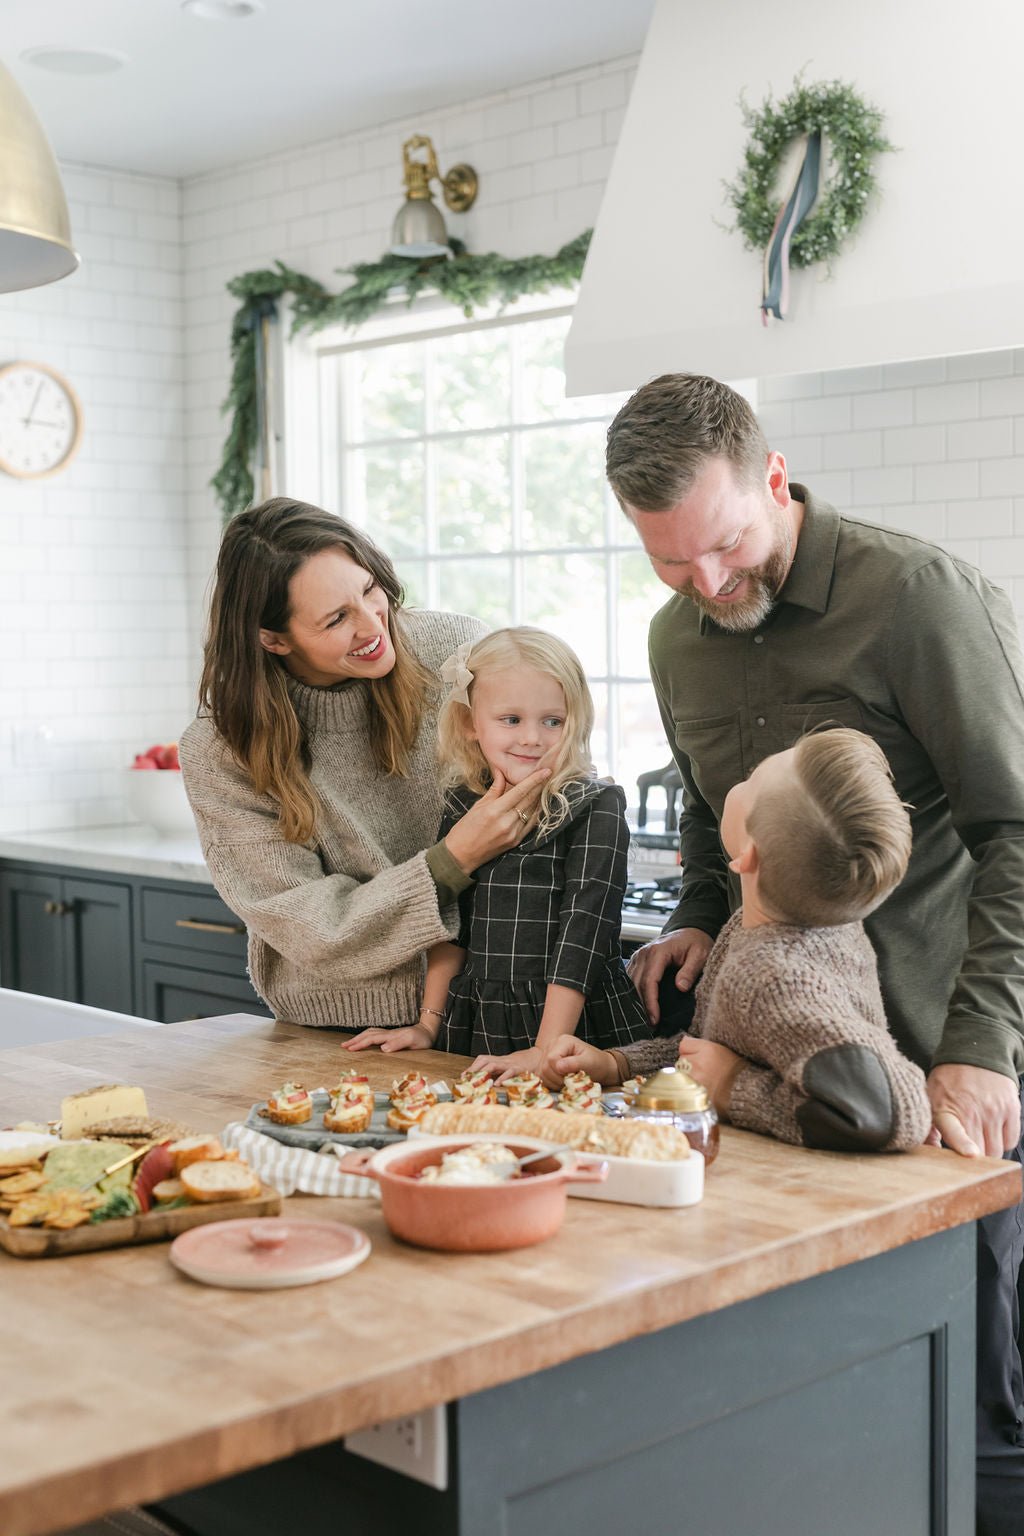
(765, 582)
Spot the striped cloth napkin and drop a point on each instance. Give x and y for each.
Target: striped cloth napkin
(288, 1169)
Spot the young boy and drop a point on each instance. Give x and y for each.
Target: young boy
(789, 1033)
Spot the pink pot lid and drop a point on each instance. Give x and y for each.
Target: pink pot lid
(267, 1254)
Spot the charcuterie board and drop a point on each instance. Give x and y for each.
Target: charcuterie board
(153, 1226)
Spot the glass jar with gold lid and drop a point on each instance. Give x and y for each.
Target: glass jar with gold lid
(673, 1097)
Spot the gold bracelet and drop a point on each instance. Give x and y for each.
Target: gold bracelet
(435, 1011)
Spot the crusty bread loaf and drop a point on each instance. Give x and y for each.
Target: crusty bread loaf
(220, 1180)
(587, 1133)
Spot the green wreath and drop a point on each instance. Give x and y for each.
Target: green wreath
(854, 133)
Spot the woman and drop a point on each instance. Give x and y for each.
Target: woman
(312, 775)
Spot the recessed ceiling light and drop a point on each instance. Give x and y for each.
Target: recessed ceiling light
(76, 61)
(221, 10)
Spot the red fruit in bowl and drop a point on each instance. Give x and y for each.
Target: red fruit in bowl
(143, 760)
(169, 756)
(154, 753)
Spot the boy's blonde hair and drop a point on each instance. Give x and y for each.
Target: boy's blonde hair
(462, 761)
(834, 852)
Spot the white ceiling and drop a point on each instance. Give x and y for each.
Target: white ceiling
(196, 95)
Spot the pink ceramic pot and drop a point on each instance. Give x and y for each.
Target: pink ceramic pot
(469, 1218)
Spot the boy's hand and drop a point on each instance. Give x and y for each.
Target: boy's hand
(412, 1037)
(567, 1054)
(501, 1067)
(714, 1066)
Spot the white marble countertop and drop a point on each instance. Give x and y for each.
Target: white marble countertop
(128, 850)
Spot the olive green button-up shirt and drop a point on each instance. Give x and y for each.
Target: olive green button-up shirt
(889, 634)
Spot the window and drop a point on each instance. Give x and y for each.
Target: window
(459, 454)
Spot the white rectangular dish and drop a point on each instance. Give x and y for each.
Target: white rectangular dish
(631, 1181)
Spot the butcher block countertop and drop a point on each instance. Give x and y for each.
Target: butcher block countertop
(125, 1382)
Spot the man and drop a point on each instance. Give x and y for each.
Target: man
(789, 616)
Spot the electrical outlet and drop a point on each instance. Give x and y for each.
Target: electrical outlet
(416, 1445)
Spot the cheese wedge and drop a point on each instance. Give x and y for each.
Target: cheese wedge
(79, 1111)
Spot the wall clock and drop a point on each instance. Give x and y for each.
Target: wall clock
(40, 420)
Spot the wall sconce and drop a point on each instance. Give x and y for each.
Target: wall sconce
(35, 231)
(418, 230)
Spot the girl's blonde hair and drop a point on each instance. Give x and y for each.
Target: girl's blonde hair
(462, 761)
(244, 688)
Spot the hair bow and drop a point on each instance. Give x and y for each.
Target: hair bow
(455, 672)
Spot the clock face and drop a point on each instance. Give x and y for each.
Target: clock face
(40, 420)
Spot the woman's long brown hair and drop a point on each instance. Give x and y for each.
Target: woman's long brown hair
(244, 687)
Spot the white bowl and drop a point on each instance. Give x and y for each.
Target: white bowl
(157, 798)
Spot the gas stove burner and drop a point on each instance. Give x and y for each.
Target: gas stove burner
(660, 895)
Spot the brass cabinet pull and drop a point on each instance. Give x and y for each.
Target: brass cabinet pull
(58, 908)
(193, 922)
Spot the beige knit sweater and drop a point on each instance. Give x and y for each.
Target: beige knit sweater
(804, 1006)
(337, 929)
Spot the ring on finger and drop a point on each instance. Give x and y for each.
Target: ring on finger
(523, 817)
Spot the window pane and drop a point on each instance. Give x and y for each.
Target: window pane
(639, 596)
(388, 497)
(482, 588)
(413, 576)
(641, 744)
(470, 384)
(563, 471)
(389, 394)
(566, 594)
(473, 494)
(599, 740)
(542, 346)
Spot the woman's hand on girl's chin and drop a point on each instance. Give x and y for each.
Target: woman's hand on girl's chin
(502, 1067)
(497, 822)
(411, 1037)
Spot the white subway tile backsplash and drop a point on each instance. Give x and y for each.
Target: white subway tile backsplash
(926, 370)
(946, 482)
(888, 408)
(946, 402)
(914, 445)
(585, 132)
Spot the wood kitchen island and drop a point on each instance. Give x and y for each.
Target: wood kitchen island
(793, 1355)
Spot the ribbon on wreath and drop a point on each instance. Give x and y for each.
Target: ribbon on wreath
(775, 285)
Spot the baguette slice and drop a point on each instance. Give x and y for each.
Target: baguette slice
(220, 1180)
(586, 1133)
(167, 1189)
(195, 1149)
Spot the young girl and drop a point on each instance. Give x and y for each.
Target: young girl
(538, 954)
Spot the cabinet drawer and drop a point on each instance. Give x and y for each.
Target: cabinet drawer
(173, 993)
(198, 921)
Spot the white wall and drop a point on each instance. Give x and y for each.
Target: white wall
(93, 627)
(100, 617)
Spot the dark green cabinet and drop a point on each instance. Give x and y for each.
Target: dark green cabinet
(161, 949)
(66, 937)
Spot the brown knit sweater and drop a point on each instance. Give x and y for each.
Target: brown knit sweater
(337, 929)
(804, 1006)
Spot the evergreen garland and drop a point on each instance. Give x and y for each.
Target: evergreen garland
(468, 281)
(853, 131)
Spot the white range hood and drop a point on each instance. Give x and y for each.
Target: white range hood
(937, 266)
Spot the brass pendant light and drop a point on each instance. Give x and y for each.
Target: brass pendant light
(35, 229)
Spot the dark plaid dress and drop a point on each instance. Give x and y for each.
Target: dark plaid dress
(547, 911)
